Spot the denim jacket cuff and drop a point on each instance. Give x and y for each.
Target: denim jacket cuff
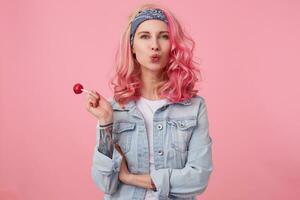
(106, 164)
(161, 179)
(107, 126)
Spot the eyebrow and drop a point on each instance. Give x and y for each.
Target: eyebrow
(149, 32)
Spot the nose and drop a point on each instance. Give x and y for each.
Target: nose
(155, 45)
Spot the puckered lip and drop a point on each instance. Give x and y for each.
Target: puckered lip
(155, 56)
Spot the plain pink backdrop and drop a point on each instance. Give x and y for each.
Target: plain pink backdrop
(249, 53)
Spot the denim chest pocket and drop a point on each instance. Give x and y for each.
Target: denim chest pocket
(123, 132)
(181, 132)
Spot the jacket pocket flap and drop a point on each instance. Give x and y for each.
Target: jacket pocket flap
(120, 127)
(186, 124)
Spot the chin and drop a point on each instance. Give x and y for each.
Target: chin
(155, 67)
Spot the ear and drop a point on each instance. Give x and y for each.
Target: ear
(132, 49)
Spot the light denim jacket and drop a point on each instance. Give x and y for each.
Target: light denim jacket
(182, 151)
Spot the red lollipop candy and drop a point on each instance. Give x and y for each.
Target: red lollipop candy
(78, 88)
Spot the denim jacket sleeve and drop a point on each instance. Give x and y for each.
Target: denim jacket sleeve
(193, 178)
(105, 170)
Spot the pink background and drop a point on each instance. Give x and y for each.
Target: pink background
(249, 52)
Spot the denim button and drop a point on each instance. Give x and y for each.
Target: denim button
(160, 152)
(181, 124)
(159, 126)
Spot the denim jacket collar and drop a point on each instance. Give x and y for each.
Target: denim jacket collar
(131, 104)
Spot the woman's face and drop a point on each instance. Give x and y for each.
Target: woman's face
(151, 45)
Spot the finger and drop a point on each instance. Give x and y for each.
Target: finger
(104, 103)
(88, 105)
(101, 100)
(93, 102)
(93, 99)
(94, 94)
(91, 96)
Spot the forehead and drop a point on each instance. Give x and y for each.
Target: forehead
(152, 25)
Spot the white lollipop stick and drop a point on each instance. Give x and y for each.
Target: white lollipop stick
(84, 90)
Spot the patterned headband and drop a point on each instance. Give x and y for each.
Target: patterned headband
(143, 16)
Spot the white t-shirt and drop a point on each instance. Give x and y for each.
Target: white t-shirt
(147, 108)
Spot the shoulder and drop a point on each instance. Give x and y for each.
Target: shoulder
(198, 100)
(199, 104)
(116, 106)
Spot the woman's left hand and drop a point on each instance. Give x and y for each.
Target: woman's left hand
(124, 172)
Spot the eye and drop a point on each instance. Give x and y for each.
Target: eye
(144, 36)
(165, 36)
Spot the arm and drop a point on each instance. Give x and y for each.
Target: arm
(105, 143)
(140, 180)
(193, 178)
(106, 161)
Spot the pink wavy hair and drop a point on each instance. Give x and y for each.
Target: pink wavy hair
(179, 76)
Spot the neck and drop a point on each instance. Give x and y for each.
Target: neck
(150, 81)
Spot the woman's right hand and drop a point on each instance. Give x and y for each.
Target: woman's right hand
(99, 107)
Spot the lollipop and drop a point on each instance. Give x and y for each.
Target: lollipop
(78, 88)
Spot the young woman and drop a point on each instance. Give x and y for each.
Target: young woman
(152, 139)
